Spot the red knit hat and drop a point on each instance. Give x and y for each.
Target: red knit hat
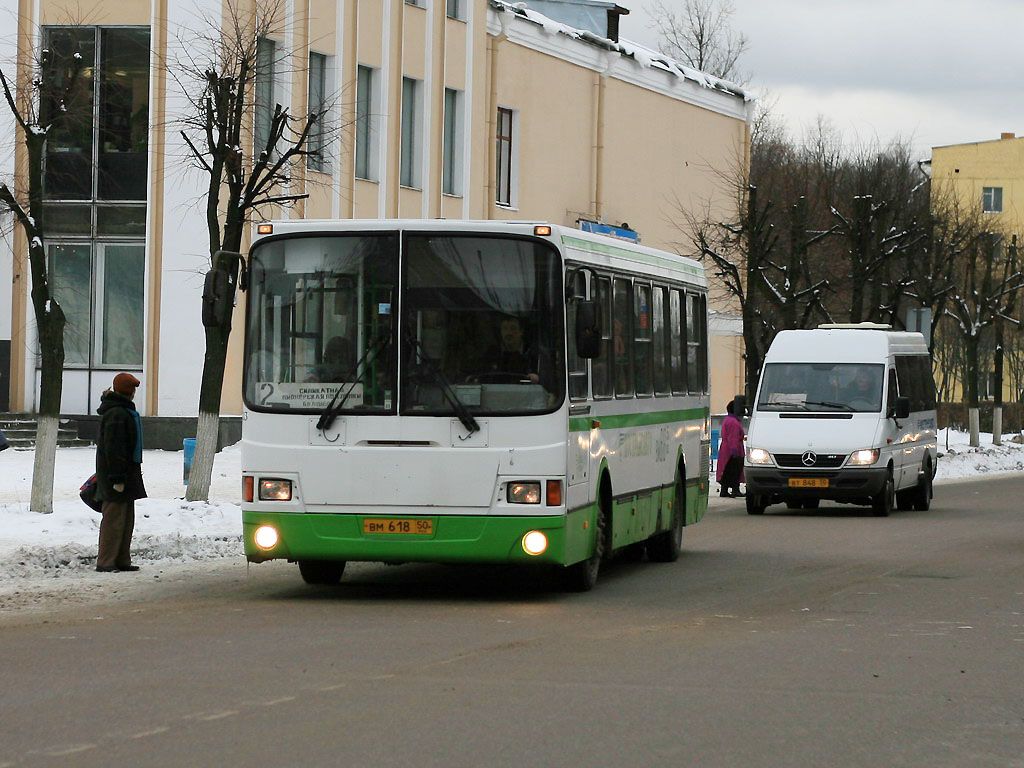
(125, 384)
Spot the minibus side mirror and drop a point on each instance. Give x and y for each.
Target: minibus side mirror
(901, 408)
(740, 405)
(588, 329)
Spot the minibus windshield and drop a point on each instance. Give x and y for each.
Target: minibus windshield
(850, 387)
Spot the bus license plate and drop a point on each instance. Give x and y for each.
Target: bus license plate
(808, 482)
(416, 525)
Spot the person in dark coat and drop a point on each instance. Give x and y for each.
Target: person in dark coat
(118, 473)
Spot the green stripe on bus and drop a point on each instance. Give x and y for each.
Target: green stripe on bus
(619, 421)
(611, 250)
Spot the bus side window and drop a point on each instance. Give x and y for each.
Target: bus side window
(677, 341)
(622, 339)
(693, 383)
(600, 366)
(662, 385)
(577, 365)
(642, 346)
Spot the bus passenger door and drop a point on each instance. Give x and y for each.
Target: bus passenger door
(578, 459)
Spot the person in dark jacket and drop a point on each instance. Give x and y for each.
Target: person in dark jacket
(118, 473)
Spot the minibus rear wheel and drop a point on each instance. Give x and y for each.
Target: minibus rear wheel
(755, 504)
(923, 492)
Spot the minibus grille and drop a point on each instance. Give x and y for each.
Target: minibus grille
(815, 461)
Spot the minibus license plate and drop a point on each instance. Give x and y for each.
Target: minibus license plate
(418, 525)
(808, 482)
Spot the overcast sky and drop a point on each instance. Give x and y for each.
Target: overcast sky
(932, 71)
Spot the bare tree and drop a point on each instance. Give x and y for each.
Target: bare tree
(701, 36)
(987, 284)
(41, 103)
(250, 167)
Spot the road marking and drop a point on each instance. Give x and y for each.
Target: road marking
(220, 715)
(152, 732)
(332, 687)
(274, 702)
(68, 750)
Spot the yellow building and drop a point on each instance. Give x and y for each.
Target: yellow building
(987, 177)
(475, 109)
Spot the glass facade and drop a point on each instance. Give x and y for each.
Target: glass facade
(95, 185)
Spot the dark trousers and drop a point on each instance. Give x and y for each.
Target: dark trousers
(116, 534)
(731, 475)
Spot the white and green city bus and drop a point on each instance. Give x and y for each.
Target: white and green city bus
(461, 391)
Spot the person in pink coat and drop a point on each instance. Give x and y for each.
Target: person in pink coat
(729, 472)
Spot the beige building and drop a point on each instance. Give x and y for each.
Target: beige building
(462, 109)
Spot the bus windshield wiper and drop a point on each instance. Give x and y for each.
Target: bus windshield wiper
(328, 414)
(446, 388)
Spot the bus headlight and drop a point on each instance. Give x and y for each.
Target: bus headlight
(275, 489)
(523, 493)
(758, 456)
(534, 543)
(863, 457)
(266, 537)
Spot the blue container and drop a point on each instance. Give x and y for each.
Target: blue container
(714, 443)
(189, 444)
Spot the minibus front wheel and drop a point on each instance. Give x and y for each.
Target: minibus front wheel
(884, 501)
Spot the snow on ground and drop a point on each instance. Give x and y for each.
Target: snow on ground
(53, 554)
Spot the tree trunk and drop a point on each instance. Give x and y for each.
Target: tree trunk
(971, 350)
(208, 425)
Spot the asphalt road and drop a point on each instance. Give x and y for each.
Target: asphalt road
(814, 638)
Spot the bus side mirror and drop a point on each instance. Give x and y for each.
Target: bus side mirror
(901, 409)
(588, 330)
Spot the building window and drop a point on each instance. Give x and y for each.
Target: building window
(454, 9)
(316, 143)
(505, 172)
(992, 199)
(101, 150)
(366, 99)
(416, 3)
(100, 287)
(453, 140)
(263, 117)
(409, 160)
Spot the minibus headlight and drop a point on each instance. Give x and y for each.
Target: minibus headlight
(864, 457)
(523, 493)
(758, 456)
(275, 489)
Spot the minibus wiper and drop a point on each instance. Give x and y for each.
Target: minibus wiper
(828, 404)
(328, 414)
(460, 408)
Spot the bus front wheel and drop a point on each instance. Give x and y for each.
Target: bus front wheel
(321, 571)
(582, 576)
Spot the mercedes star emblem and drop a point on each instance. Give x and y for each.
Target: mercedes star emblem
(809, 459)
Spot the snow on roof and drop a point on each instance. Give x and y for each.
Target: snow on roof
(645, 57)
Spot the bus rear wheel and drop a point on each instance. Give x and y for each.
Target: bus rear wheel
(321, 571)
(664, 547)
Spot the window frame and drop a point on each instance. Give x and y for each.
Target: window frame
(506, 189)
(410, 144)
(991, 199)
(316, 142)
(366, 133)
(452, 182)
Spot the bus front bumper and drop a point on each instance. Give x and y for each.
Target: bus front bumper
(454, 539)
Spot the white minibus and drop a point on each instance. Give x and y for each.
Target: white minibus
(844, 412)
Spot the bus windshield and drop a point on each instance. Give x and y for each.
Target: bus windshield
(850, 387)
(480, 331)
